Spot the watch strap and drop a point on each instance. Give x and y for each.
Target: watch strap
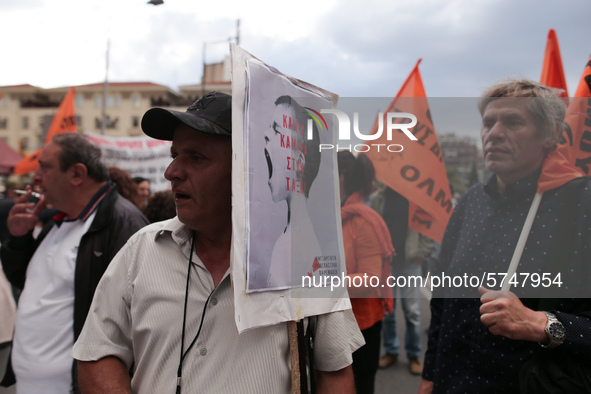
(552, 325)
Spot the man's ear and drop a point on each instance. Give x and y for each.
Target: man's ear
(78, 173)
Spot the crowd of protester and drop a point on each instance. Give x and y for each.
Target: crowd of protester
(101, 247)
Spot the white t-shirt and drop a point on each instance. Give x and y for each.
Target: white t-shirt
(44, 333)
(137, 316)
(7, 309)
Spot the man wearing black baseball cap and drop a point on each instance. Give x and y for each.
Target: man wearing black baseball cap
(166, 306)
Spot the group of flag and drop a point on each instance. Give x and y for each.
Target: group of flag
(421, 178)
(419, 173)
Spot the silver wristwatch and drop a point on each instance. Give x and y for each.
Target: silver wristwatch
(554, 330)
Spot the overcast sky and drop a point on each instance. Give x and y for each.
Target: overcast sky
(355, 48)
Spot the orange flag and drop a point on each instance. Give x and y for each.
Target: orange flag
(552, 71)
(418, 172)
(572, 157)
(64, 121)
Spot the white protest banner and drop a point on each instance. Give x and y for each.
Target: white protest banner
(287, 246)
(139, 156)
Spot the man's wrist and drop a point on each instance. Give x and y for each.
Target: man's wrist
(554, 330)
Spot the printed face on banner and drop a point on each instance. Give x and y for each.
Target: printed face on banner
(285, 206)
(292, 220)
(285, 150)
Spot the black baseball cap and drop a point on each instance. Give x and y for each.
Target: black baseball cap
(210, 114)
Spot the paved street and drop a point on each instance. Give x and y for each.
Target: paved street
(396, 378)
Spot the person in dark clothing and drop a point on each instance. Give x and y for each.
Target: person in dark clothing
(160, 206)
(59, 270)
(143, 188)
(479, 345)
(5, 206)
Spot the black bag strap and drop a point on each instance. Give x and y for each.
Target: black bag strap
(303, 355)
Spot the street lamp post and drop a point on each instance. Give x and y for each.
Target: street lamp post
(105, 88)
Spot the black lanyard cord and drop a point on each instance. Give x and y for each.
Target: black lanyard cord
(184, 354)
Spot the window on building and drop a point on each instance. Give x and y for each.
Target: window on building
(3, 123)
(135, 121)
(4, 101)
(117, 101)
(98, 101)
(25, 122)
(136, 100)
(79, 100)
(112, 123)
(109, 124)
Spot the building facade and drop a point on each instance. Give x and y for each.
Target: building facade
(26, 111)
(463, 160)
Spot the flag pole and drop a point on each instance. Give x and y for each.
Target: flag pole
(294, 357)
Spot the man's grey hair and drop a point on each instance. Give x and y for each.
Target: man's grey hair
(77, 148)
(543, 103)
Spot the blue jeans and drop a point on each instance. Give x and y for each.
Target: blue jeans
(410, 298)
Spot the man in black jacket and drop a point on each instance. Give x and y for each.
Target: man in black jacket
(59, 271)
(480, 338)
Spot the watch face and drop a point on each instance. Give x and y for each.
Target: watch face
(557, 331)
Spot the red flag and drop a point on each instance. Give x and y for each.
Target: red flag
(64, 121)
(418, 172)
(572, 157)
(552, 71)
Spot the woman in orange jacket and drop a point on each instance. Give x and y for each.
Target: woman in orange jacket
(368, 250)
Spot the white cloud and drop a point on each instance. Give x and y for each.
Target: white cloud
(351, 47)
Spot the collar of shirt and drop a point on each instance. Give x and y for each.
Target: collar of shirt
(180, 233)
(88, 209)
(182, 236)
(521, 188)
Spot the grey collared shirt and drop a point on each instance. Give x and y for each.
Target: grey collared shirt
(137, 316)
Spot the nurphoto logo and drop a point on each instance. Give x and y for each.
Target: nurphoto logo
(394, 121)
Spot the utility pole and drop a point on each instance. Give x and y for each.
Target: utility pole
(105, 88)
(106, 83)
(236, 38)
